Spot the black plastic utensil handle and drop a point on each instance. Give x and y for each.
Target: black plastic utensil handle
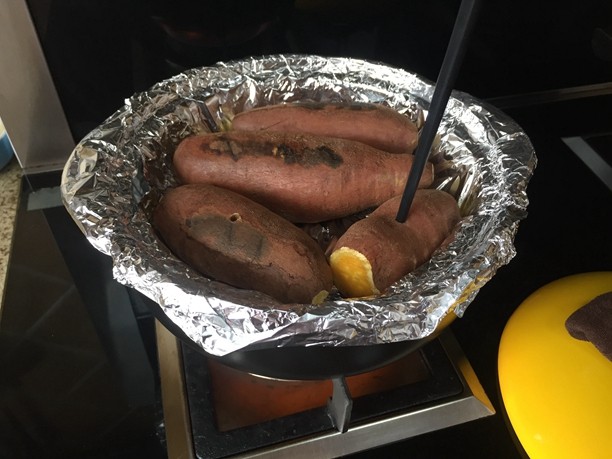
(466, 17)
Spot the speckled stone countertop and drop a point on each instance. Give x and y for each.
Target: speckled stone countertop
(10, 187)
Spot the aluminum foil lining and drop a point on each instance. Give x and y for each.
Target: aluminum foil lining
(115, 175)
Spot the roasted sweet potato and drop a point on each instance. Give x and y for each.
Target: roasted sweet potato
(304, 178)
(377, 251)
(374, 124)
(234, 240)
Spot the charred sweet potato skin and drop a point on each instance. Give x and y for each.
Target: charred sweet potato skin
(394, 249)
(304, 178)
(228, 237)
(373, 124)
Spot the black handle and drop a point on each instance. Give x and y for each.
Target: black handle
(466, 17)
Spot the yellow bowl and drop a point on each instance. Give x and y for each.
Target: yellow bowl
(557, 390)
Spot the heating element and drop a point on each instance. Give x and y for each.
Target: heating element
(213, 411)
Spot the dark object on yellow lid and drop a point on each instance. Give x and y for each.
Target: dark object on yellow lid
(593, 322)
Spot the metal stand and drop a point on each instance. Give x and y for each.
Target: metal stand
(340, 404)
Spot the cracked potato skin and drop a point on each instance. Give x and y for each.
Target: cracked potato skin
(234, 240)
(304, 178)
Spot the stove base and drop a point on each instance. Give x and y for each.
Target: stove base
(446, 392)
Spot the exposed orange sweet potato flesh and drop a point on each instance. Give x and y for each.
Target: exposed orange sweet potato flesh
(352, 273)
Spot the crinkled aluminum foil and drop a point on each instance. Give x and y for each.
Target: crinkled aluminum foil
(116, 174)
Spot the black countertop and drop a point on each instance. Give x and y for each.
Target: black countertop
(78, 369)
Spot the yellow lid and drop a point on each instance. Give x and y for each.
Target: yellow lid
(557, 390)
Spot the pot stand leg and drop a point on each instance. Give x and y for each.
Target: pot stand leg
(340, 404)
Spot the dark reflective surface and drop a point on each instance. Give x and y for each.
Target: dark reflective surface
(78, 374)
(102, 51)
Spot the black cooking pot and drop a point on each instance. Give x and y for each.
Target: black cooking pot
(318, 362)
(300, 363)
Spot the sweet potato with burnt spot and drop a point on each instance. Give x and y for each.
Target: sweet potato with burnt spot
(377, 251)
(234, 240)
(304, 178)
(373, 124)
